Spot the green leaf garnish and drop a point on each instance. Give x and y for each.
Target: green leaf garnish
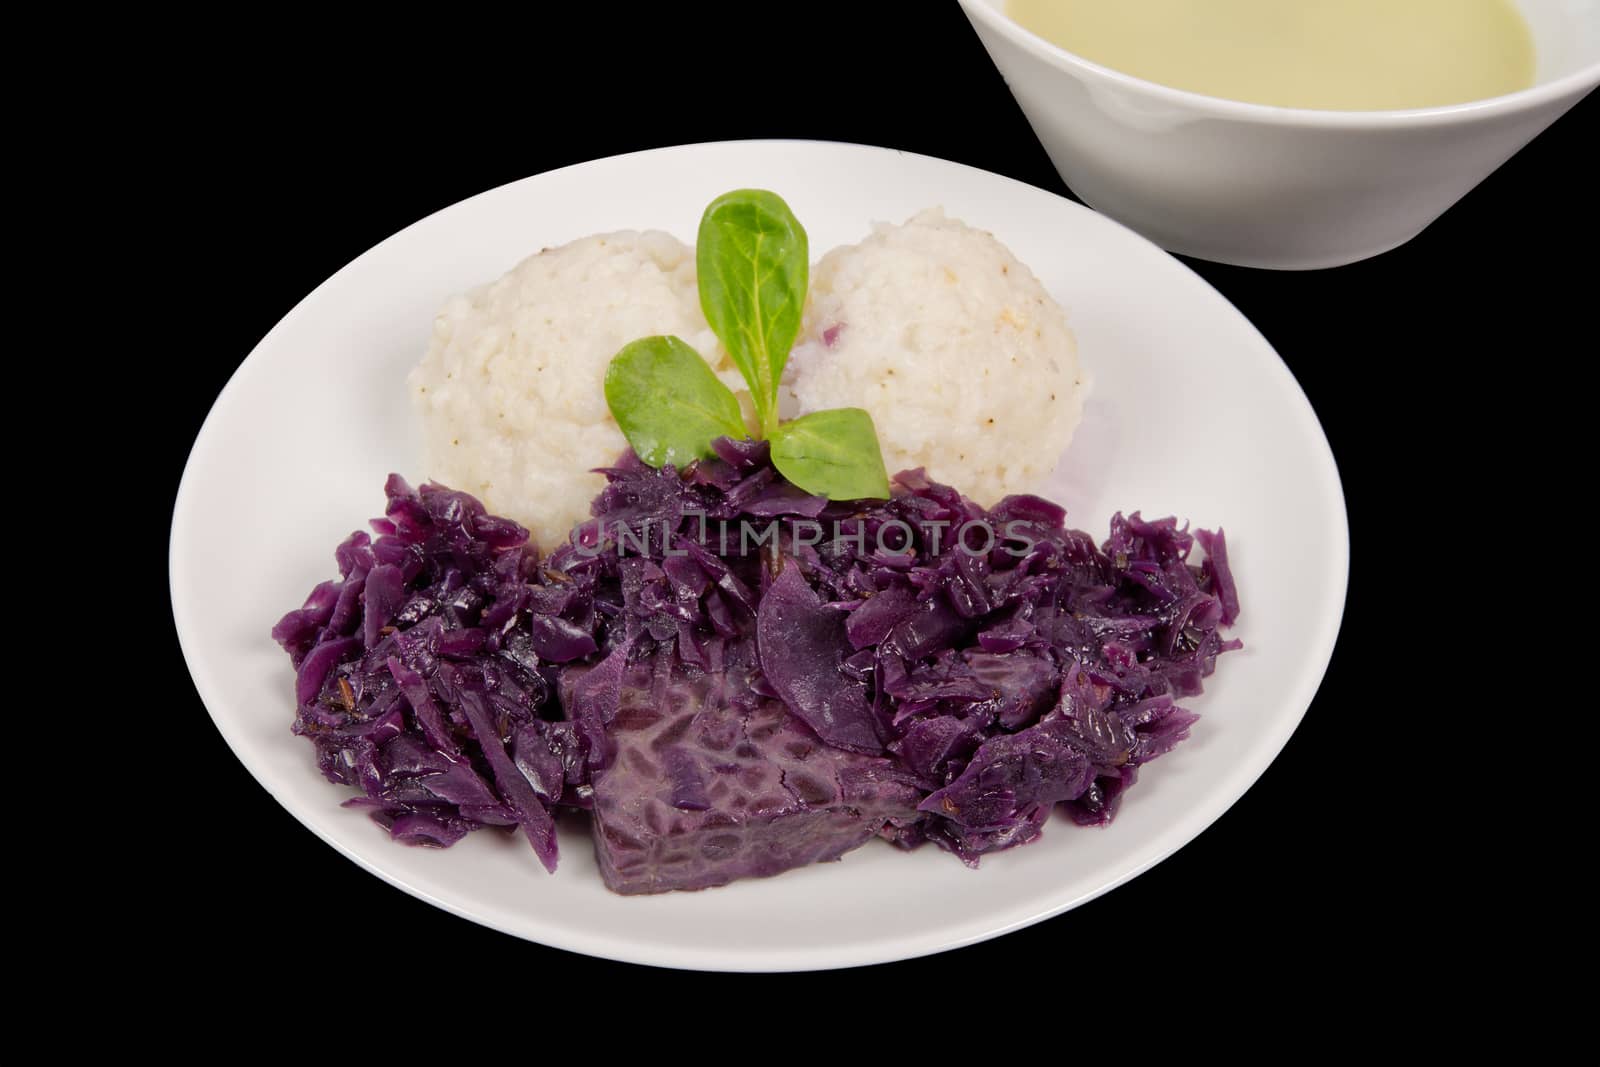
(832, 453)
(754, 264)
(668, 402)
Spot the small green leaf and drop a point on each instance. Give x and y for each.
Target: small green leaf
(754, 264)
(668, 402)
(832, 453)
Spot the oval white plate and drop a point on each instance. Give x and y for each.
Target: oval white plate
(1192, 414)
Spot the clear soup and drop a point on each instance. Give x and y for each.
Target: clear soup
(1343, 55)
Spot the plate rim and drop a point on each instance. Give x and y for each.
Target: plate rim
(1172, 837)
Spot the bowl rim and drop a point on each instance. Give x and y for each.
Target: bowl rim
(1580, 82)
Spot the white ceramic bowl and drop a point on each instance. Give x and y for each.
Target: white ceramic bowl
(1286, 188)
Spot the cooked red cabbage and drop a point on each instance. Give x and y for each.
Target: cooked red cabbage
(417, 676)
(707, 786)
(733, 705)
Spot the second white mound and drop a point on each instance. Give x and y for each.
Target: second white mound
(963, 359)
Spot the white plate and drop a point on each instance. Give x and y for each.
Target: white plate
(1192, 414)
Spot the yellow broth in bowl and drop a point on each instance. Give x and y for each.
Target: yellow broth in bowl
(1341, 55)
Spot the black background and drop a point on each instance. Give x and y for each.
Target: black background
(278, 154)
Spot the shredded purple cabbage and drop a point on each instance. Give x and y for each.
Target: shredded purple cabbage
(460, 682)
(421, 675)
